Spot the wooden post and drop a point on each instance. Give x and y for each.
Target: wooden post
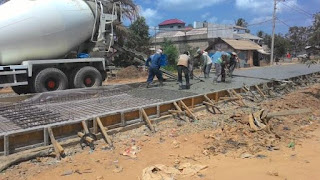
(123, 120)
(57, 147)
(158, 111)
(95, 126)
(192, 103)
(6, 146)
(103, 131)
(217, 97)
(45, 137)
(147, 120)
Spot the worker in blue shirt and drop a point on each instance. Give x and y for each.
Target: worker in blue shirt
(154, 64)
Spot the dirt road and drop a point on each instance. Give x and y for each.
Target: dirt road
(227, 148)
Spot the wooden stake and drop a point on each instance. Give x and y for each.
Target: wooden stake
(103, 131)
(212, 104)
(260, 92)
(85, 127)
(88, 139)
(147, 120)
(188, 110)
(57, 147)
(239, 96)
(177, 106)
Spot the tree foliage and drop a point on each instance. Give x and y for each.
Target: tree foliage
(171, 51)
(298, 37)
(242, 23)
(314, 39)
(138, 39)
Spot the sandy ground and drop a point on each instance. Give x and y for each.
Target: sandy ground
(228, 148)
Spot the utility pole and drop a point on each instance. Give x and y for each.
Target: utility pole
(273, 31)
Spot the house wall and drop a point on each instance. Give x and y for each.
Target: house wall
(171, 27)
(182, 42)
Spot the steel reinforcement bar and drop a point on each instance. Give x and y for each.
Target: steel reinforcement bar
(126, 119)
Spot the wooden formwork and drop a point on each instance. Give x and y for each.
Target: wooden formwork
(21, 140)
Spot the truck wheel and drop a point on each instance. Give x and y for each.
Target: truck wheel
(87, 77)
(21, 89)
(50, 79)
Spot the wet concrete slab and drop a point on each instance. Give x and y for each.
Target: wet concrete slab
(280, 72)
(87, 103)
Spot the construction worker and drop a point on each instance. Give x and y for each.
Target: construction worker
(220, 60)
(154, 64)
(183, 64)
(233, 63)
(207, 62)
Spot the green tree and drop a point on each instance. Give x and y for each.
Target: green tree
(171, 51)
(298, 37)
(138, 40)
(281, 45)
(260, 34)
(314, 38)
(242, 23)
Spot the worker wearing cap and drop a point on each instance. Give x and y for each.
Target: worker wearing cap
(207, 63)
(233, 63)
(183, 64)
(154, 64)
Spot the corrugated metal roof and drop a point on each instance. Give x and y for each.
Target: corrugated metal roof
(171, 21)
(178, 33)
(246, 36)
(242, 44)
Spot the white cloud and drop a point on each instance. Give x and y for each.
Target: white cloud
(151, 15)
(213, 19)
(263, 6)
(261, 19)
(186, 4)
(205, 15)
(227, 21)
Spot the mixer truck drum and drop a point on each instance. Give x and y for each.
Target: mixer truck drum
(87, 77)
(50, 79)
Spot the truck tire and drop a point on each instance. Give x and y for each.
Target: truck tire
(21, 89)
(87, 77)
(50, 79)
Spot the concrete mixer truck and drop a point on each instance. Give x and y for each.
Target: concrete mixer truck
(40, 43)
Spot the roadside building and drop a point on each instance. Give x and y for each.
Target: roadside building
(171, 24)
(248, 52)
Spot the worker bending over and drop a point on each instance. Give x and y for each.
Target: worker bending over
(183, 64)
(233, 63)
(154, 64)
(207, 62)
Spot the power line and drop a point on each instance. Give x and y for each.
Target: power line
(283, 22)
(298, 10)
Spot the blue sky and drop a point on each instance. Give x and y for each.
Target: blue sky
(290, 12)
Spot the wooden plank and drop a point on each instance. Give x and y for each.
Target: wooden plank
(85, 127)
(104, 133)
(57, 147)
(188, 110)
(147, 120)
(289, 112)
